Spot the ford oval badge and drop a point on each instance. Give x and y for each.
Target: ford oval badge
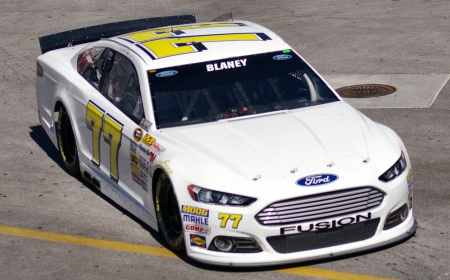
(317, 179)
(167, 73)
(282, 57)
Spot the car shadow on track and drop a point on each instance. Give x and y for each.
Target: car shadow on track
(40, 137)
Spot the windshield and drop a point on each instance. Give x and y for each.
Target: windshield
(234, 87)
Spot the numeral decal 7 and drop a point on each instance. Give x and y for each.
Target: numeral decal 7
(234, 217)
(99, 122)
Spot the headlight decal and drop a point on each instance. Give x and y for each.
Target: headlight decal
(220, 198)
(395, 170)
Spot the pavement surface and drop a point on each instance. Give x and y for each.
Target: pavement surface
(54, 226)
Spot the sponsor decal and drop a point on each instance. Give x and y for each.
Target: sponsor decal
(167, 73)
(143, 166)
(148, 140)
(195, 219)
(158, 148)
(133, 147)
(326, 225)
(165, 165)
(410, 179)
(144, 185)
(136, 179)
(282, 57)
(197, 229)
(145, 124)
(134, 158)
(135, 170)
(318, 179)
(144, 176)
(144, 148)
(410, 198)
(195, 215)
(197, 240)
(195, 211)
(137, 134)
(226, 65)
(152, 157)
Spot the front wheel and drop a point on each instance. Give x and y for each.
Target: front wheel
(168, 213)
(67, 143)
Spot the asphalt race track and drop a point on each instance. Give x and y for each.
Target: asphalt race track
(54, 226)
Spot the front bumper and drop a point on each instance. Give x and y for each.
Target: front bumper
(272, 258)
(344, 234)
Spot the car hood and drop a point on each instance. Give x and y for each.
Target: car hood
(277, 144)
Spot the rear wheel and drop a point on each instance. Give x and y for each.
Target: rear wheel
(67, 143)
(168, 213)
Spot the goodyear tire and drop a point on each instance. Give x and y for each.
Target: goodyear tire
(168, 214)
(67, 143)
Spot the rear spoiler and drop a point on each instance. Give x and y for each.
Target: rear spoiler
(94, 33)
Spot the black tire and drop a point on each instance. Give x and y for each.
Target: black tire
(67, 143)
(168, 214)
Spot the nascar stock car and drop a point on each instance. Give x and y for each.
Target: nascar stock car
(220, 136)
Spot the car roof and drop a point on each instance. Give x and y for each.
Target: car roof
(192, 43)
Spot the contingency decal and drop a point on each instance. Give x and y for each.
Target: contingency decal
(141, 159)
(224, 217)
(197, 229)
(410, 180)
(137, 135)
(145, 124)
(197, 240)
(101, 123)
(195, 215)
(148, 140)
(317, 179)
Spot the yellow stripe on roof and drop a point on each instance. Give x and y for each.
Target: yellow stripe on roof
(175, 46)
(158, 33)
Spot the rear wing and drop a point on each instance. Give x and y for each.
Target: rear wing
(94, 33)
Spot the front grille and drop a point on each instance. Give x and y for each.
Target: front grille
(321, 206)
(323, 238)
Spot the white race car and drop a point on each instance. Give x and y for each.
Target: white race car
(220, 136)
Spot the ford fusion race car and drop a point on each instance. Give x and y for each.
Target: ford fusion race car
(220, 136)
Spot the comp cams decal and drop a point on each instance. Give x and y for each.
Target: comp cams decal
(197, 229)
(315, 180)
(195, 215)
